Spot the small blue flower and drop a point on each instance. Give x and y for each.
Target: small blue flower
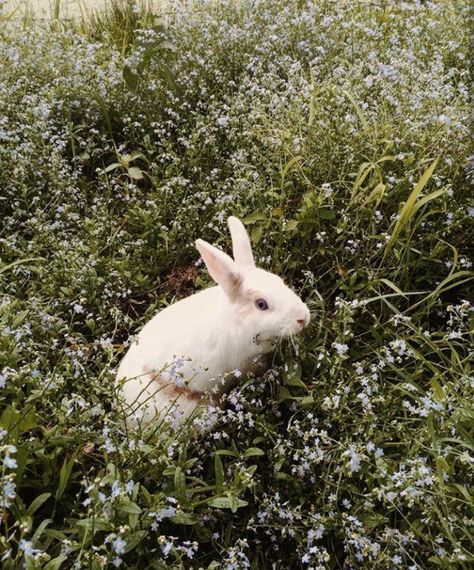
(119, 545)
(10, 462)
(27, 547)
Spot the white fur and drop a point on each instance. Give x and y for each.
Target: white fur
(198, 341)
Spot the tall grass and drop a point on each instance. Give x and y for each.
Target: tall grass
(339, 134)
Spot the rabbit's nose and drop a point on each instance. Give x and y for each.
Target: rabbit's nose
(304, 318)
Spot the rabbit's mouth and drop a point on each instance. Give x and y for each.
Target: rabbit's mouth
(290, 330)
(259, 339)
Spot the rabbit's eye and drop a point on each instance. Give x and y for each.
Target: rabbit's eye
(261, 304)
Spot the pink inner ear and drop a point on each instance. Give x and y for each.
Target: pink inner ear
(228, 278)
(221, 267)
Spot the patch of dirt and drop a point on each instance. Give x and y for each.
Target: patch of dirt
(181, 280)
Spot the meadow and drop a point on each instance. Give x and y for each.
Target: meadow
(339, 133)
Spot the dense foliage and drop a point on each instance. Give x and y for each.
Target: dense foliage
(339, 133)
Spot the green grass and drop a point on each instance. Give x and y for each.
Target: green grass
(339, 134)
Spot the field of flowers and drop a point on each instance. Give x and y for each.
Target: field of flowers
(339, 132)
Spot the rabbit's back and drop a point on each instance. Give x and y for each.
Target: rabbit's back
(182, 343)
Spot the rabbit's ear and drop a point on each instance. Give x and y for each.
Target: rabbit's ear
(221, 267)
(240, 242)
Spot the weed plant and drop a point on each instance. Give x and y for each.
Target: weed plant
(339, 132)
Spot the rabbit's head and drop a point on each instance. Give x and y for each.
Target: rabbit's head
(267, 306)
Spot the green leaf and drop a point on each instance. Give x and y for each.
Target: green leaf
(36, 504)
(219, 473)
(55, 563)
(464, 492)
(57, 534)
(19, 262)
(253, 451)
(307, 401)
(227, 452)
(39, 531)
(135, 539)
(442, 464)
(288, 166)
(377, 194)
(64, 475)
(284, 394)
(326, 214)
(135, 173)
(236, 503)
(364, 170)
(438, 391)
(373, 520)
(112, 166)
(409, 209)
(452, 280)
(255, 217)
(232, 503)
(95, 523)
(185, 518)
(16, 422)
(180, 484)
(291, 225)
(129, 507)
(220, 503)
(257, 232)
(131, 79)
(293, 377)
(393, 287)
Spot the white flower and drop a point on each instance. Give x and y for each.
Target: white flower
(340, 348)
(223, 121)
(327, 190)
(27, 547)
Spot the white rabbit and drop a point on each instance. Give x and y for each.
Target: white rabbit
(189, 350)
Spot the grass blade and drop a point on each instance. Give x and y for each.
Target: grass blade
(409, 208)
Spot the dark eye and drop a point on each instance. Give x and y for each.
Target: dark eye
(261, 304)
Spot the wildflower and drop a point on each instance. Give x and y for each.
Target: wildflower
(340, 348)
(454, 335)
(223, 121)
(327, 189)
(8, 491)
(354, 460)
(10, 462)
(27, 547)
(115, 490)
(188, 548)
(119, 545)
(166, 545)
